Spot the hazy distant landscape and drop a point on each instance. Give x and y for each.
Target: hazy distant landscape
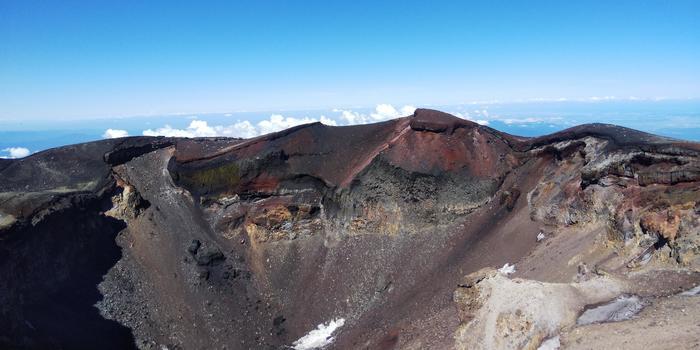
(672, 118)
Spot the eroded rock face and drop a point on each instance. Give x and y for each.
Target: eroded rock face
(251, 244)
(664, 223)
(127, 202)
(501, 313)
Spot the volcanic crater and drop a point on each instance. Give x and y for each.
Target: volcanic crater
(379, 236)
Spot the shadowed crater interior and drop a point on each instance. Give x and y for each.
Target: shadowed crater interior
(49, 282)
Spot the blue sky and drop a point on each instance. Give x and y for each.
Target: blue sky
(102, 59)
(76, 71)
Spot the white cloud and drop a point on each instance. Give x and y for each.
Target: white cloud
(468, 117)
(244, 129)
(16, 152)
(407, 110)
(328, 121)
(352, 118)
(510, 121)
(381, 113)
(200, 128)
(387, 111)
(602, 98)
(278, 122)
(384, 112)
(319, 337)
(114, 133)
(565, 99)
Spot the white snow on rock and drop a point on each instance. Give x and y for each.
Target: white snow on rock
(621, 308)
(540, 236)
(319, 337)
(507, 269)
(550, 344)
(692, 292)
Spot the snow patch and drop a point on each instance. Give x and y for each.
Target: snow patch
(507, 269)
(540, 236)
(619, 309)
(319, 337)
(692, 292)
(550, 344)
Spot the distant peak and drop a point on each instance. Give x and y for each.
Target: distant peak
(436, 121)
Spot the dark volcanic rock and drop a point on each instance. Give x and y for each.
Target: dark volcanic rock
(132, 147)
(209, 256)
(436, 121)
(194, 246)
(50, 273)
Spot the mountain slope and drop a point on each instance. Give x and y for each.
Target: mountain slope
(213, 243)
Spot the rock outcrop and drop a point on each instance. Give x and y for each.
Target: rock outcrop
(501, 313)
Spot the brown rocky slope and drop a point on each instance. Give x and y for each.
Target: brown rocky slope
(250, 244)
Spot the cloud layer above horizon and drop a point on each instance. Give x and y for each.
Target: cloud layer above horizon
(243, 129)
(278, 122)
